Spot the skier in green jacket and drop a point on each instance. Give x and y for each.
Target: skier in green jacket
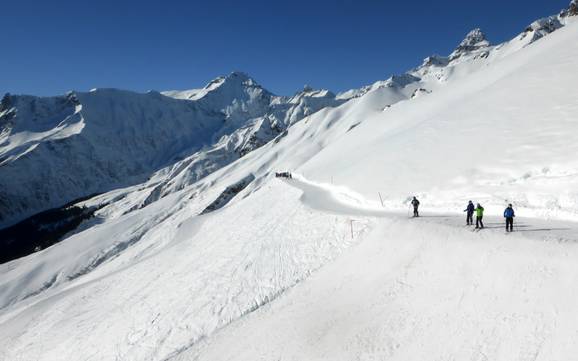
(479, 216)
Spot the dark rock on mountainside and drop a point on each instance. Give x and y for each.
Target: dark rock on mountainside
(228, 194)
(475, 40)
(41, 231)
(5, 103)
(571, 11)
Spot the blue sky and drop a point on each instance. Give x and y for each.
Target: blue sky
(50, 47)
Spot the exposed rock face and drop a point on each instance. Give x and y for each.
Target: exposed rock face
(228, 194)
(475, 40)
(542, 27)
(435, 60)
(5, 102)
(6, 115)
(419, 92)
(571, 11)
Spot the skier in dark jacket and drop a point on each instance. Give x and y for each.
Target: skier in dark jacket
(470, 213)
(509, 215)
(479, 216)
(415, 204)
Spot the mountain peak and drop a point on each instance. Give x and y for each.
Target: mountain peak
(572, 9)
(239, 75)
(235, 78)
(476, 39)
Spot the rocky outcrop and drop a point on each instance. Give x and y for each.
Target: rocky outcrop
(6, 115)
(5, 103)
(435, 60)
(542, 27)
(475, 40)
(571, 11)
(228, 194)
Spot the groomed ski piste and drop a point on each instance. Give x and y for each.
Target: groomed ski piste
(426, 291)
(319, 267)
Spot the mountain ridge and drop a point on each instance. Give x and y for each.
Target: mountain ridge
(240, 116)
(109, 138)
(150, 278)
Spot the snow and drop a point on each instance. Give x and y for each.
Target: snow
(191, 94)
(516, 148)
(203, 291)
(317, 267)
(56, 150)
(413, 292)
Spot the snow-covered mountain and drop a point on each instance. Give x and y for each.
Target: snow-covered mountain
(472, 50)
(240, 265)
(55, 150)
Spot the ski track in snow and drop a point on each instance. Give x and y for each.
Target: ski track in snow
(402, 291)
(235, 262)
(223, 279)
(340, 200)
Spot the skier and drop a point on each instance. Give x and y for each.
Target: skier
(470, 215)
(479, 216)
(415, 204)
(509, 215)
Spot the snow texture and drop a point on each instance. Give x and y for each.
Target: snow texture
(326, 265)
(56, 150)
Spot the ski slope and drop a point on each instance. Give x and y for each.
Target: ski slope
(418, 289)
(203, 272)
(504, 132)
(316, 267)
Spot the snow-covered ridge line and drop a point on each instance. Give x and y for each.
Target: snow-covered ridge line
(499, 128)
(110, 138)
(251, 116)
(473, 47)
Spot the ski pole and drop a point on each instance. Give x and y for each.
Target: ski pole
(352, 229)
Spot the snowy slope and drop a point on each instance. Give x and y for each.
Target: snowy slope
(281, 262)
(474, 52)
(55, 150)
(504, 132)
(101, 140)
(417, 290)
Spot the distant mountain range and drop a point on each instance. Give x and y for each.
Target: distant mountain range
(57, 149)
(159, 231)
(54, 150)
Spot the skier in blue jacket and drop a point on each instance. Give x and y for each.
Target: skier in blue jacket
(470, 213)
(509, 215)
